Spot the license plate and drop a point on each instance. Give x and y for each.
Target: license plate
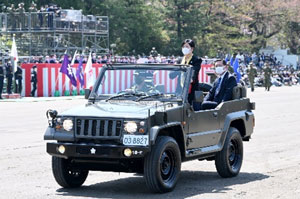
(136, 140)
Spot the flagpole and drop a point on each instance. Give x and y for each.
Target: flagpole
(56, 83)
(14, 59)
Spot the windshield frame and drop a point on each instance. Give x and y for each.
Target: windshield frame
(94, 96)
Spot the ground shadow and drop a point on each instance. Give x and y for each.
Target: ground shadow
(191, 183)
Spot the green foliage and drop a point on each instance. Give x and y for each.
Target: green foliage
(215, 25)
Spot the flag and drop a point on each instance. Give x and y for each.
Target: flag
(74, 57)
(227, 58)
(14, 55)
(89, 72)
(79, 72)
(67, 69)
(236, 70)
(231, 61)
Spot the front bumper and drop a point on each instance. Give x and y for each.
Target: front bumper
(95, 151)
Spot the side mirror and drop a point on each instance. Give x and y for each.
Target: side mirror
(87, 93)
(199, 97)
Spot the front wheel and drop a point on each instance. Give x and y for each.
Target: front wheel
(229, 160)
(162, 165)
(65, 175)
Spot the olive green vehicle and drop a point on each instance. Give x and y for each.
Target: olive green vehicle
(137, 119)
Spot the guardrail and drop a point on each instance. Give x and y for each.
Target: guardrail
(49, 21)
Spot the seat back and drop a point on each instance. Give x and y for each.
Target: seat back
(239, 91)
(236, 93)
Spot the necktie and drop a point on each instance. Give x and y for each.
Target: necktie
(218, 86)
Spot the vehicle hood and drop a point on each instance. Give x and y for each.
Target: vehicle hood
(128, 109)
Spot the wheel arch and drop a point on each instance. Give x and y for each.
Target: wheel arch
(239, 124)
(173, 130)
(236, 120)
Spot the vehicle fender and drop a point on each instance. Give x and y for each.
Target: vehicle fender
(49, 134)
(52, 134)
(245, 116)
(154, 131)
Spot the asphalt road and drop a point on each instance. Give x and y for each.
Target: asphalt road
(271, 167)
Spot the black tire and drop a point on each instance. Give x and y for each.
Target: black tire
(229, 160)
(65, 176)
(162, 165)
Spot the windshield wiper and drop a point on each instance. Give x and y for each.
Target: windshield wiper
(125, 94)
(149, 96)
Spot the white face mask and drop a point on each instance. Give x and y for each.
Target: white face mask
(186, 50)
(219, 70)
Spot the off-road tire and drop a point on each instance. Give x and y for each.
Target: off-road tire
(65, 176)
(229, 160)
(162, 165)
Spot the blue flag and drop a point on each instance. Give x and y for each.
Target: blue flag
(79, 72)
(226, 59)
(236, 70)
(67, 69)
(231, 61)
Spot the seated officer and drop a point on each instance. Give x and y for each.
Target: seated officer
(141, 83)
(222, 87)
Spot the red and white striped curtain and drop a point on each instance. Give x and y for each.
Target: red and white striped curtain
(51, 80)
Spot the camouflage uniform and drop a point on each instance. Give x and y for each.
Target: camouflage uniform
(11, 17)
(141, 82)
(21, 15)
(267, 80)
(32, 9)
(145, 88)
(252, 73)
(230, 69)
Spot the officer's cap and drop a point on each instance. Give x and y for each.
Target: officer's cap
(142, 73)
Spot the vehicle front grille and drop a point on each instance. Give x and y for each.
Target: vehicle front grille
(98, 128)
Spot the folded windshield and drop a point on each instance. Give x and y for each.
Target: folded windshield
(141, 83)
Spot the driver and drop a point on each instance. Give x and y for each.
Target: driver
(143, 82)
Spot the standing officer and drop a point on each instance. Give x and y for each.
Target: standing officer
(21, 15)
(9, 76)
(33, 11)
(252, 73)
(18, 78)
(267, 74)
(33, 80)
(11, 17)
(1, 78)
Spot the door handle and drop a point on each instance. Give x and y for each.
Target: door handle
(215, 114)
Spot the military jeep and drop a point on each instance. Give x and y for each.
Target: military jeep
(138, 119)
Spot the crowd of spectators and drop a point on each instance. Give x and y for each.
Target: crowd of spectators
(41, 18)
(103, 59)
(281, 74)
(21, 8)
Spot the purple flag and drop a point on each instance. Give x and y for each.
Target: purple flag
(79, 72)
(67, 69)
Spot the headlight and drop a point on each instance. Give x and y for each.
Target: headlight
(130, 127)
(68, 125)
